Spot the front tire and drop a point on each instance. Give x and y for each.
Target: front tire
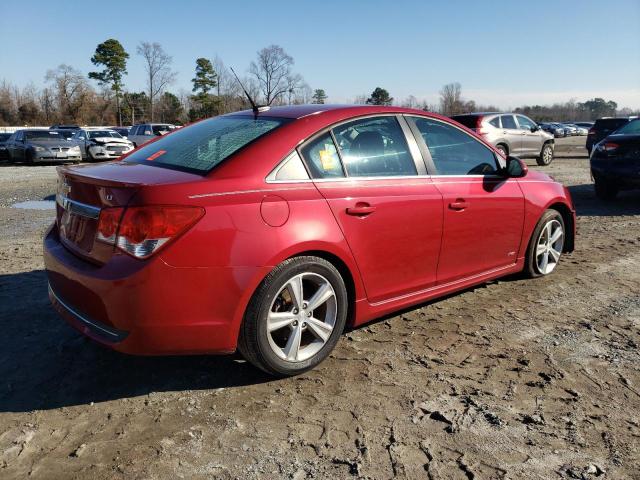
(503, 150)
(546, 244)
(295, 317)
(546, 155)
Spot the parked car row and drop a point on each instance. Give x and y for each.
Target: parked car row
(559, 130)
(72, 143)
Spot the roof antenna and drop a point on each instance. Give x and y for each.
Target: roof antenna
(256, 108)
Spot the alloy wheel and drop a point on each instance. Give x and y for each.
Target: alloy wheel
(302, 317)
(549, 246)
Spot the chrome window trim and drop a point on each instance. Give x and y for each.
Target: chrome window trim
(78, 208)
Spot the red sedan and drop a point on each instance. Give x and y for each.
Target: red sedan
(269, 232)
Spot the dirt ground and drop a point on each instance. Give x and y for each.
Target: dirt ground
(517, 379)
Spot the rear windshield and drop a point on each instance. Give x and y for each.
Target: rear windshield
(469, 121)
(203, 145)
(103, 133)
(610, 123)
(631, 128)
(43, 135)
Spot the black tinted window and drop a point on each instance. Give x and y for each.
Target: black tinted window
(322, 157)
(374, 147)
(631, 128)
(508, 122)
(610, 123)
(469, 121)
(205, 144)
(453, 151)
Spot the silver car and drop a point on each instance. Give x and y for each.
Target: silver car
(97, 143)
(141, 134)
(512, 134)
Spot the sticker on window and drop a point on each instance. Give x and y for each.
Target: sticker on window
(156, 155)
(327, 158)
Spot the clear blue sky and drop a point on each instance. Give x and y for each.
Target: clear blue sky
(502, 52)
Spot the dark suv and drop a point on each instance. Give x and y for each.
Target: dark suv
(601, 129)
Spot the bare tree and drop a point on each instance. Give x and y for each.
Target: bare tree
(360, 99)
(72, 92)
(451, 99)
(158, 67)
(295, 87)
(271, 70)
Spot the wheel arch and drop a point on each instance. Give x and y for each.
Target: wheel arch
(568, 218)
(345, 273)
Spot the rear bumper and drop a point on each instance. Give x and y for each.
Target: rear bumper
(623, 174)
(148, 307)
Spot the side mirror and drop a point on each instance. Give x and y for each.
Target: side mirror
(535, 128)
(515, 168)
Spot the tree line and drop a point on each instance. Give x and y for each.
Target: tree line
(68, 97)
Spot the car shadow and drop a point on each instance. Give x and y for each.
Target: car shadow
(46, 364)
(587, 204)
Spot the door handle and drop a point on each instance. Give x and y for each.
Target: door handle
(459, 204)
(361, 209)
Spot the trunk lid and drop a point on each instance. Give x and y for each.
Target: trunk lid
(83, 191)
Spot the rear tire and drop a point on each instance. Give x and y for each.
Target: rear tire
(546, 245)
(605, 190)
(546, 155)
(295, 317)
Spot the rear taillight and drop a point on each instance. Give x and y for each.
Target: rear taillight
(479, 129)
(142, 231)
(607, 147)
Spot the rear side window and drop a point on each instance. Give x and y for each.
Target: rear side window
(508, 122)
(291, 169)
(610, 123)
(322, 157)
(200, 147)
(374, 147)
(631, 128)
(453, 151)
(495, 122)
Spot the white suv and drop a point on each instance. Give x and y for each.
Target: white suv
(512, 134)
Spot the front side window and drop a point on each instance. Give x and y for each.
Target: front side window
(525, 123)
(322, 157)
(508, 122)
(453, 151)
(203, 145)
(374, 147)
